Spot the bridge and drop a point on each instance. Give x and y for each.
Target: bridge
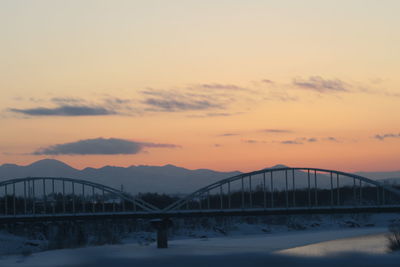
(274, 191)
(263, 192)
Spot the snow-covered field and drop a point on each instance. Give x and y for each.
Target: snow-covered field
(245, 245)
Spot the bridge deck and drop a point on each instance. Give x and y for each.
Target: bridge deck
(198, 213)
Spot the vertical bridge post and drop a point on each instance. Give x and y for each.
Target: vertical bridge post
(162, 226)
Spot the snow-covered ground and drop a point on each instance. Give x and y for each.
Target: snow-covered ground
(342, 243)
(245, 250)
(12, 244)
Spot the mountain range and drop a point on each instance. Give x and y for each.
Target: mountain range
(140, 179)
(134, 179)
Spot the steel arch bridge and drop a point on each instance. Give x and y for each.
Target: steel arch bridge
(263, 192)
(33, 196)
(290, 189)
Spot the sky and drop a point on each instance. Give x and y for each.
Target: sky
(225, 85)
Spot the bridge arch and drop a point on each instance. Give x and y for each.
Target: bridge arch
(54, 195)
(336, 184)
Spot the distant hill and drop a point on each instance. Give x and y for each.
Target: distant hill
(380, 175)
(135, 179)
(389, 177)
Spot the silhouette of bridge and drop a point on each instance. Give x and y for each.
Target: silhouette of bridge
(264, 192)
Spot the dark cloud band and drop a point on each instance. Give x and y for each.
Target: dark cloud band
(321, 85)
(65, 111)
(99, 146)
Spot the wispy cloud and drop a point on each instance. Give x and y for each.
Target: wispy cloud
(70, 106)
(268, 81)
(252, 141)
(148, 101)
(228, 134)
(331, 138)
(200, 100)
(172, 105)
(321, 85)
(303, 140)
(180, 101)
(213, 99)
(280, 95)
(384, 136)
(291, 142)
(65, 110)
(276, 131)
(117, 102)
(214, 114)
(99, 146)
(218, 86)
(67, 100)
(299, 141)
(208, 99)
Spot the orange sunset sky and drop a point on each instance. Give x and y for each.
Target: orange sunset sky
(225, 85)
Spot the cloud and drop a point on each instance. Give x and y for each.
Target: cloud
(318, 84)
(172, 105)
(251, 141)
(384, 136)
(67, 100)
(219, 86)
(118, 103)
(30, 99)
(71, 106)
(208, 99)
(330, 138)
(276, 131)
(65, 110)
(213, 99)
(150, 101)
(99, 146)
(157, 145)
(180, 100)
(229, 134)
(291, 142)
(302, 140)
(280, 96)
(268, 81)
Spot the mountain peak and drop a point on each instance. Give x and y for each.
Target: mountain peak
(48, 163)
(278, 166)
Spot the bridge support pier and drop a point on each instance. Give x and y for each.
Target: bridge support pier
(162, 226)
